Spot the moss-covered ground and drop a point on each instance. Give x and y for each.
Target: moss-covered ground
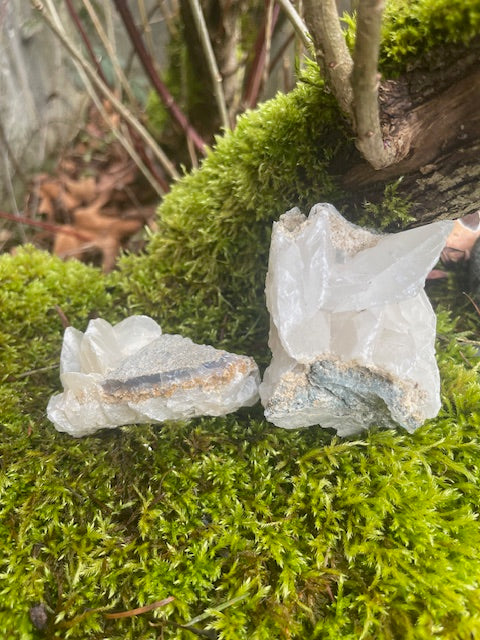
(255, 531)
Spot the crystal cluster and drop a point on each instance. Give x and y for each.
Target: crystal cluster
(352, 331)
(131, 373)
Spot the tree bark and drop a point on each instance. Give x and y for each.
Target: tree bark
(434, 112)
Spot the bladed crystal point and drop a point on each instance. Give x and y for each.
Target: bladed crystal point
(352, 332)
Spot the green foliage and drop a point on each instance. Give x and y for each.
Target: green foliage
(256, 531)
(412, 30)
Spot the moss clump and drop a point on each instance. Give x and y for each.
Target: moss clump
(263, 533)
(257, 532)
(412, 29)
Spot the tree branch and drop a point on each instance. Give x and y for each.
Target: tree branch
(365, 81)
(160, 87)
(255, 75)
(297, 22)
(211, 62)
(331, 50)
(54, 23)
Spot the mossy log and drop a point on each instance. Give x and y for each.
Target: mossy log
(255, 531)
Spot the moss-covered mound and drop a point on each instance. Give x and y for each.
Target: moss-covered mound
(256, 532)
(261, 532)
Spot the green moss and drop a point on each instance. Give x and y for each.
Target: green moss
(263, 533)
(412, 29)
(260, 532)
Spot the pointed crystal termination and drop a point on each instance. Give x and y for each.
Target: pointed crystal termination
(351, 329)
(132, 373)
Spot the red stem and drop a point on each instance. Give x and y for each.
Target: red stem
(86, 40)
(133, 134)
(255, 76)
(46, 226)
(160, 87)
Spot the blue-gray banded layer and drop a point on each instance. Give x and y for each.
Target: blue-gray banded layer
(334, 393)
(172, 364)
(143, 384)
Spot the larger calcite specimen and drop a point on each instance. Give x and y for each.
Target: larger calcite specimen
(352, 330)
(132, 373)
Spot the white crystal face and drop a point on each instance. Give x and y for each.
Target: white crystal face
(131, 373)
(352, 331)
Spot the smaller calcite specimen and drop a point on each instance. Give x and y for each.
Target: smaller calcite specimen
(352, 331)
(131, 373)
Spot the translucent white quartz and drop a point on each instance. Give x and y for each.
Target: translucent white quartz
(352, 331)
(131, 373)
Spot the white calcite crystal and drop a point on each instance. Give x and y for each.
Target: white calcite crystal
(352, 330)
(131, 373)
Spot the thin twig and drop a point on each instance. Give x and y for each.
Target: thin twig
(331, 50)
(93, 77)
(167, 16)
(365, 83)
(147, 30)
(477, 309)
(281, 51)
(158, 84)
(46, 226)
(86, 40)
(111, 52)
(268, 40)
(139, 610)
(204, 36)
(27, 374)
(110, 28)
(141, 159)
(297, 22)
(254, 79)
(13, 198)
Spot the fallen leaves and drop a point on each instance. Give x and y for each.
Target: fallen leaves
(95, 202)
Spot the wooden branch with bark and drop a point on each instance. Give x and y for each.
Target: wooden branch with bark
(365, 81)
(331, 50)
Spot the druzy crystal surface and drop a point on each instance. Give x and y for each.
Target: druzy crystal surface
(352, 330)
(131, 373)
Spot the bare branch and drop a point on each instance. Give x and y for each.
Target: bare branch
(90, 72)
(254, 79)
(117, 67)
(46, 226)
(157, 182)
(211, 62)
(297, 22)
(141, 159)
(268, 40)
(365, 82)
(331, 49)
(85, 39)
(160, 87)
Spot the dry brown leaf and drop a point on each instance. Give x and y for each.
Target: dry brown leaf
(66, 245)
(48, 187)
(46, 208)
(84, 190)
(67, 201)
